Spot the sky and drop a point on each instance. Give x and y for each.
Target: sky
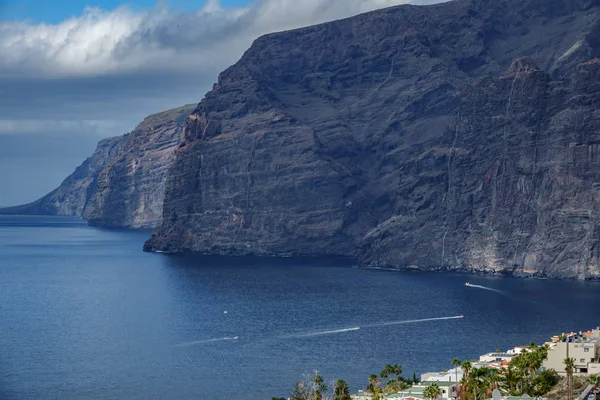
(75, 71)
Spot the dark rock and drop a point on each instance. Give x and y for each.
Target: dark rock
(407, 137)
(122, 183)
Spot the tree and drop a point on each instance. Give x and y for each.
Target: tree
(300, 392)
(455, 364)
(391, 370)
(310, 389)
(544, 382)
(341, 391)
(319, 387)
(397, 385)
(569, 368)
(432, 391)
(374, 388)
(414, 379)
(510, 380)
(464, 383)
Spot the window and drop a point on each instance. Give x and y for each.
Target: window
(586, 350)
(582, 360)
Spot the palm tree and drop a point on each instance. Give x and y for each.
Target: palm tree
(396, 370)
(464, 385)
(492, 380)
(455, 364)
(510, 379)
(432, 391)
(374, 387)
(341, 391)
(476, 380)
(569, 368)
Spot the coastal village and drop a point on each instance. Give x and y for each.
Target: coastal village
(569, 355)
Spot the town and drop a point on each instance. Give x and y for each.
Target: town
(523, 372)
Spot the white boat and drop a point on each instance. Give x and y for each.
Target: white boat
(467, 284)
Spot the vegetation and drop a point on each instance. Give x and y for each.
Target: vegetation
(389, 380)
(341, 391)
(569, 368)
(310, 389)
(523, 375)
(432, 391)
(560, 392)
(594, 379)
(455, 364)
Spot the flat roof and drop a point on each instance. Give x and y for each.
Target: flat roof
(439, 383)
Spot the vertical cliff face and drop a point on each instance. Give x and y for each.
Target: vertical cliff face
(129, 190)
(122, 183)
(398, 137)
(518, 172)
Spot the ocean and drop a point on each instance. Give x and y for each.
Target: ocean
(85, 314)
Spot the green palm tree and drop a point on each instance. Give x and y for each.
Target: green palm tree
(491, 381)
(464, 383)
(569, 368)
(341, 391)
(432, 391)
(397, 370)
(455, 364)
(510, 380)
(374, 388)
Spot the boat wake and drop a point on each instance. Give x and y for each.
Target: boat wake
(486, 288)
(319, 333)
(413, 321)
(356, 328)
(197, 342)
(326, 332)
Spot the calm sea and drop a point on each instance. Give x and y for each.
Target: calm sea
(85, 314)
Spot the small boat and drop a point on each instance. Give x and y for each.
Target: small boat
(467, 284)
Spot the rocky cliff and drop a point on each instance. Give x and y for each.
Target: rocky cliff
(122, 183)
(407, 137)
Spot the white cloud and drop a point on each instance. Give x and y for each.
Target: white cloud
(111, 42)
(99, 74)
(99, 128)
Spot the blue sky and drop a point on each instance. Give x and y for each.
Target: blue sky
(53, 12)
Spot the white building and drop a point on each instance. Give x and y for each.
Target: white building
(443, 376)
(497, 357)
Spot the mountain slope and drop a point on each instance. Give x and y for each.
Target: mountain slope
(347, 138)
(122, 183)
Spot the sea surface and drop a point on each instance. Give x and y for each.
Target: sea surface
(85, 314)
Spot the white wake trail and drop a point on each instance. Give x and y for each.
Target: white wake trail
(319, 333)
(486, 288)
(197, 342)
(413, 321)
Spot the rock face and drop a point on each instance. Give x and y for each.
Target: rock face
(122, 183)
(406, 137)
(518, 172)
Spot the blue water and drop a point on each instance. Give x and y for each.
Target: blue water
(85, 314)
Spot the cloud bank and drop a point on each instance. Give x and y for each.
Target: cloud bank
(102, 72)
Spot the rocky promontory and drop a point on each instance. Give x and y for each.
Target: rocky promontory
(122, 183)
